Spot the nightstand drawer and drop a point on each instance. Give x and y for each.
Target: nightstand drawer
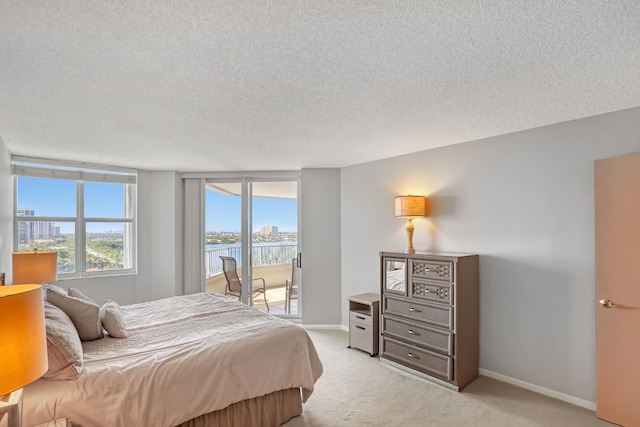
(439, 315)
(435, 339)
(436, 270)
(424, 360)
(356, 316)
(361, 336)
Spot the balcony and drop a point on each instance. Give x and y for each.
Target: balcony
(271, 262)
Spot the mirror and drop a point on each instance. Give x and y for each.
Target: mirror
(395, 275)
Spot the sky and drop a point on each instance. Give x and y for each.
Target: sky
(223, 213)
(56, 197)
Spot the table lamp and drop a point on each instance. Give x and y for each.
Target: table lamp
(408, 207)
(23, 345)
(35, 267)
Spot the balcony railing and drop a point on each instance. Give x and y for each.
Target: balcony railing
(260, 255)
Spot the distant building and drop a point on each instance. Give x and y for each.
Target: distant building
(29, 231)
(269, 230)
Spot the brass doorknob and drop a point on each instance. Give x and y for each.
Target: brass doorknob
(607, 303)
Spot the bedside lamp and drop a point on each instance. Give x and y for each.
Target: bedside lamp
(23, 345)
(35, 267)
(409, 207)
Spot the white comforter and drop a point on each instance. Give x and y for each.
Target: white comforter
(185, 356)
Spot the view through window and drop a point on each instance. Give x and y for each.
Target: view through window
(87, 216)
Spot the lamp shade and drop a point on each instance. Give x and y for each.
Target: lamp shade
(35, 267)
(408, 206)
(23, 339)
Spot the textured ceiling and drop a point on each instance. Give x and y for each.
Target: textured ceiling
(225, 85)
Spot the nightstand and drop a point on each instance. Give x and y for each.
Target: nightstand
(363, 322)
(10, 407)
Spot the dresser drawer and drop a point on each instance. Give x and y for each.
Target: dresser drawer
(434, 339)
(362, 336)
(433, 363)
(432, 291)
(435, 270)
(439, 315)
(356, 316)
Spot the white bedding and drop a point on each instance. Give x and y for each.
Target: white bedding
(185, 356)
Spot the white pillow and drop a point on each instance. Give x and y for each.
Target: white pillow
(85, 315)
(113, 320)
(64, 349)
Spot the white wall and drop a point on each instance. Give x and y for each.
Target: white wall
(6, 211)
(166, 217)
(321, 259)
(524, 202)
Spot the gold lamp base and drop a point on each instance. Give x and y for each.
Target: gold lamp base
(410, 249)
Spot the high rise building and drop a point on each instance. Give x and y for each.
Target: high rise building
(269, 230)
(35, 230)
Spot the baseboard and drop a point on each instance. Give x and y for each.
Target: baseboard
(540, 390)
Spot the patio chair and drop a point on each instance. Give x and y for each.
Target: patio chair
(234, 283)
(291, 287)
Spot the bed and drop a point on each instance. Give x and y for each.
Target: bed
(193, 360)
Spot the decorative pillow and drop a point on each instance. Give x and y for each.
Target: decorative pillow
(85, 315)
(64, 349)
(54, 287)
(113, 319)
(73, 292)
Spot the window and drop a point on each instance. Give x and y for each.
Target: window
(86, 214)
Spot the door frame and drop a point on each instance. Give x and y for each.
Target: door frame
(246, 179)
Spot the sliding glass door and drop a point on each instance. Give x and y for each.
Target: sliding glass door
(255, 222)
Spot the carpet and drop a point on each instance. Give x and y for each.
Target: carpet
(358, 390)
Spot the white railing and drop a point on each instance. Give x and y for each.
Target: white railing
(260, 255)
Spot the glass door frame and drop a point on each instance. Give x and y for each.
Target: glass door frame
(246, 241)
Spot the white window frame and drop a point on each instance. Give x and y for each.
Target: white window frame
(80, 173)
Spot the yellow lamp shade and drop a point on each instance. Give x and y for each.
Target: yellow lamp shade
(35, 267)
(408, 206)
(23, 339)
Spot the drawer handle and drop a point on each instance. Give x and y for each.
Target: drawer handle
(412, 356)
(414, 310)
(360, 317)
(361, 327)
(412, 332)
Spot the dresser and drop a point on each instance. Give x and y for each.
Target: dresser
(430, 314)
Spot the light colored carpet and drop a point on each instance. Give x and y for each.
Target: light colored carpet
(358, 390)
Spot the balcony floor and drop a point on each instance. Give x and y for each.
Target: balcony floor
(275, 298)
